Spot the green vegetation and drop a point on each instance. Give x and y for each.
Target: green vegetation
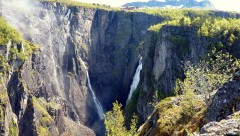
(3, 97)
(10, 35)
(217, 26)
(181, 44)
(82, 4)
(205, 21)
(13, 129)
(236, 115)
(13, 42)
(3, 102)
(44, 120)
(42, 109)
(43, 131)
(209, 75)
(130, 107)
(114, 121)
(176, 116)
(85, 50)
(7, 33)
(221, 33)
(185, 113)
(187, 116)
(176, 17)
(2, 116)
(172, 14)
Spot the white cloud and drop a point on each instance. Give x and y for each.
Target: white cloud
(227, 5)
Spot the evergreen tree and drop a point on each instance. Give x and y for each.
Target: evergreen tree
(114, 122)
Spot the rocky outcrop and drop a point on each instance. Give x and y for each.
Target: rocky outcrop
(172, 116)
(8, 120)
(223, 114)
(226, 127)
(226, 101)
(222, 117)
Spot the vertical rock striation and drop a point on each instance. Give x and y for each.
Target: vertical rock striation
(50, 91)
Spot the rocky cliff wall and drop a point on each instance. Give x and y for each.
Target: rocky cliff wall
(117, 44)
(164, 56)
(110, 42)
(52, 83)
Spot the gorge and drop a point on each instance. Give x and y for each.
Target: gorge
(84, 58)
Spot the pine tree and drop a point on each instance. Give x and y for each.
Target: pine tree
(114, 122)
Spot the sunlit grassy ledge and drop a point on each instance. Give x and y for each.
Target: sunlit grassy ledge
(9, 34)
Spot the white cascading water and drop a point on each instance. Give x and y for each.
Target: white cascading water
(96, 101)
(67, 15)
(8, 48)
(22, 46)
(135, 81)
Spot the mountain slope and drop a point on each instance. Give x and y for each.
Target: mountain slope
(173, 3)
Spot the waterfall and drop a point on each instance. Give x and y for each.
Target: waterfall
(96, 102)
(66, 18)
(8, 48)
(135, 81)
(22, 46)
(68, 14)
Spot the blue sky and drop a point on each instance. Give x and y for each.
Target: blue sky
(226, 5)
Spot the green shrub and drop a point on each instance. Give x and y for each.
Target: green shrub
(114, 122)
(132, 104)
(7, 33)
(13, 129)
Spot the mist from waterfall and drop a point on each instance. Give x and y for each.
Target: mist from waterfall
(135, 81)
(95, 100)
(40, 25)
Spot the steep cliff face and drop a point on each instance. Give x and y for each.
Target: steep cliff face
(52, 84)
(164, 56)
(117, 44)
(223, 114)
(226, 100)
(49, 92)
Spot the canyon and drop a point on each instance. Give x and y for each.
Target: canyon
(87, 59)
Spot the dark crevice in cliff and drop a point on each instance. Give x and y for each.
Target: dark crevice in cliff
(15, 93)
(26, 123)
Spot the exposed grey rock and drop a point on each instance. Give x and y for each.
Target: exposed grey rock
(230, 127)
(225, 101)
(114, 52)
(109, 43)
(163, 62)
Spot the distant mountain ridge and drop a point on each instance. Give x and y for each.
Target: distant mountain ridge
(173, 3)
